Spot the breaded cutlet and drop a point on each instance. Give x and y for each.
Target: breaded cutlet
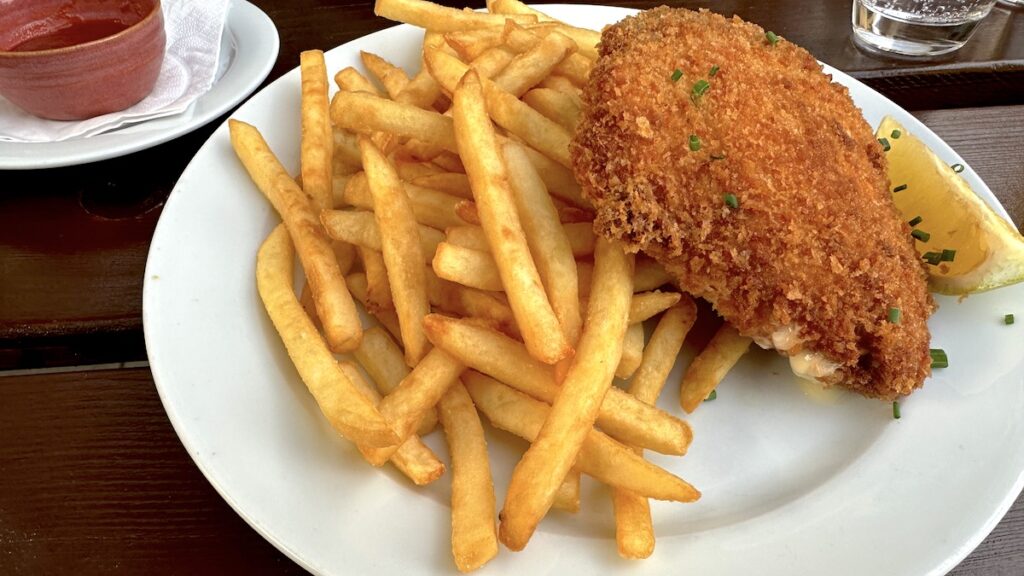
(764, 192)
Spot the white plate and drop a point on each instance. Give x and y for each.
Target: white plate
(792, 485)
(250, 44)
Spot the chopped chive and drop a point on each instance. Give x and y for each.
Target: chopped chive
(932, 258)
(772, 37)
(895, 135)
(917, 220)
(894, 315)
(713, 71)
(939, 358)
(896, 410)
(899, 188)
(948, 255)
(712, 396)
(699, 88)
(694, 143)
(1008, 319)
(958, 168)
(885, 144)
(676, 75)
(718, 156)
(920, 235)
(731, 201)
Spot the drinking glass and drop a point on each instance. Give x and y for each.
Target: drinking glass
(916, 27)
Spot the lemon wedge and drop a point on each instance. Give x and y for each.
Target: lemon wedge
(947, 215)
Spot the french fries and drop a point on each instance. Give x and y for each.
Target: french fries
(488, 177)
(574, 410)
(349, 411)
(726, 347)
(600, 456)
(401, 247)
(474, 537)
(492, 353)
(418, 392)
(359, 228)
(634, 532)
(454, 187)
(414, 458)
(317, 135)
(334, 305)
(440, 18)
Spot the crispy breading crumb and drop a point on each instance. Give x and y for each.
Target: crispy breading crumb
(815, 241)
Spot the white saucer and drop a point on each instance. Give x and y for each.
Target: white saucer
(249, 49)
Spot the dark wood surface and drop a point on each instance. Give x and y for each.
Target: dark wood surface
(92, 477)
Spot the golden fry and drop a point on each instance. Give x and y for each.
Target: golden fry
(335, 308)
(530, 67)
(351, 80)
(632, 351)
(470, 303)
(402, 250)
(646, 305)
(360, 228)
(600, 457)
(367, 114)
(393, 78)
(497, 355)
(537, 475)
(441, 18)
(384, 362)
(547, 240)
(555, 105)
(317, 147)
(711, 365)
(474, 537)
(567, 497)
(414, 458)
(634, 532)
(478, 147)
(407, 404)
(453, 183)
(431, 208)
(467, 267)
(378, 290)
(560, 180)
(350, 413)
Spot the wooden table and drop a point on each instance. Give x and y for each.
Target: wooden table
(93, 478)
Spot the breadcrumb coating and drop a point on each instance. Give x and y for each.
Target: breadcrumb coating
(815, 242)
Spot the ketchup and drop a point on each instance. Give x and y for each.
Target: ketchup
(78, 32)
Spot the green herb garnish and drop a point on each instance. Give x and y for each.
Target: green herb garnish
(712, 396)
(713, 71)
(899, 188)
(772, 37)
(699, 88)
(920, 235)
(917, 220)
(896, 410)
(731, 201)
(1008, 319)
(694, 143)
(895, 135)
(894, 315)
(948, 255)
(885, 144)
(939, 358)
(932, 258)
(677, 75)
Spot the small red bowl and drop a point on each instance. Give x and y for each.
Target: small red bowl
(70, 60)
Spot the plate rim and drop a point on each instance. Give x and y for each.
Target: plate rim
(256, 46)
(950, 561)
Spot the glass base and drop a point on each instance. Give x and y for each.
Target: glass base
(881, 31)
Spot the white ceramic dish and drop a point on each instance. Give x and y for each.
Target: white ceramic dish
(250, 45)
(792, 484)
